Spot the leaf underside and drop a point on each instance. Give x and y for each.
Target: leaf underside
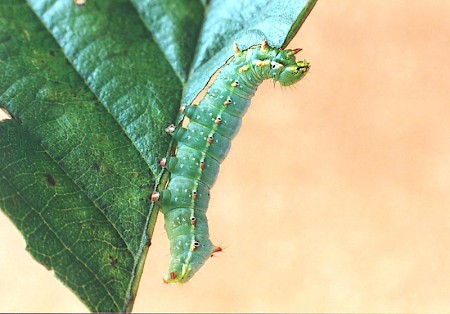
(90, 89)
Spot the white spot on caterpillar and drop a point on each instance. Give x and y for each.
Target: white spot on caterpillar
(276, 65)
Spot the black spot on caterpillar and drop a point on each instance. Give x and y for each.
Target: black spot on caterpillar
(204, 144)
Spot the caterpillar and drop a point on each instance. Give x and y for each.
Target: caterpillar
(204, 143)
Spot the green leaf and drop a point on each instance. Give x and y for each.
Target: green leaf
(90, 89)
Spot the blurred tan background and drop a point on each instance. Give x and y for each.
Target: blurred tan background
(336, 193)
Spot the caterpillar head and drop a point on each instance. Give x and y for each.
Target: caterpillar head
(286, 70)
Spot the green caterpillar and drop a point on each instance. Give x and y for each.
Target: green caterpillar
(204, 144)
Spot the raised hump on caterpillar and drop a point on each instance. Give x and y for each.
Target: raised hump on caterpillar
(217, 250)
(205, 133)
(155, 196)
(171, 128)
(236, 48)
(173, 276)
